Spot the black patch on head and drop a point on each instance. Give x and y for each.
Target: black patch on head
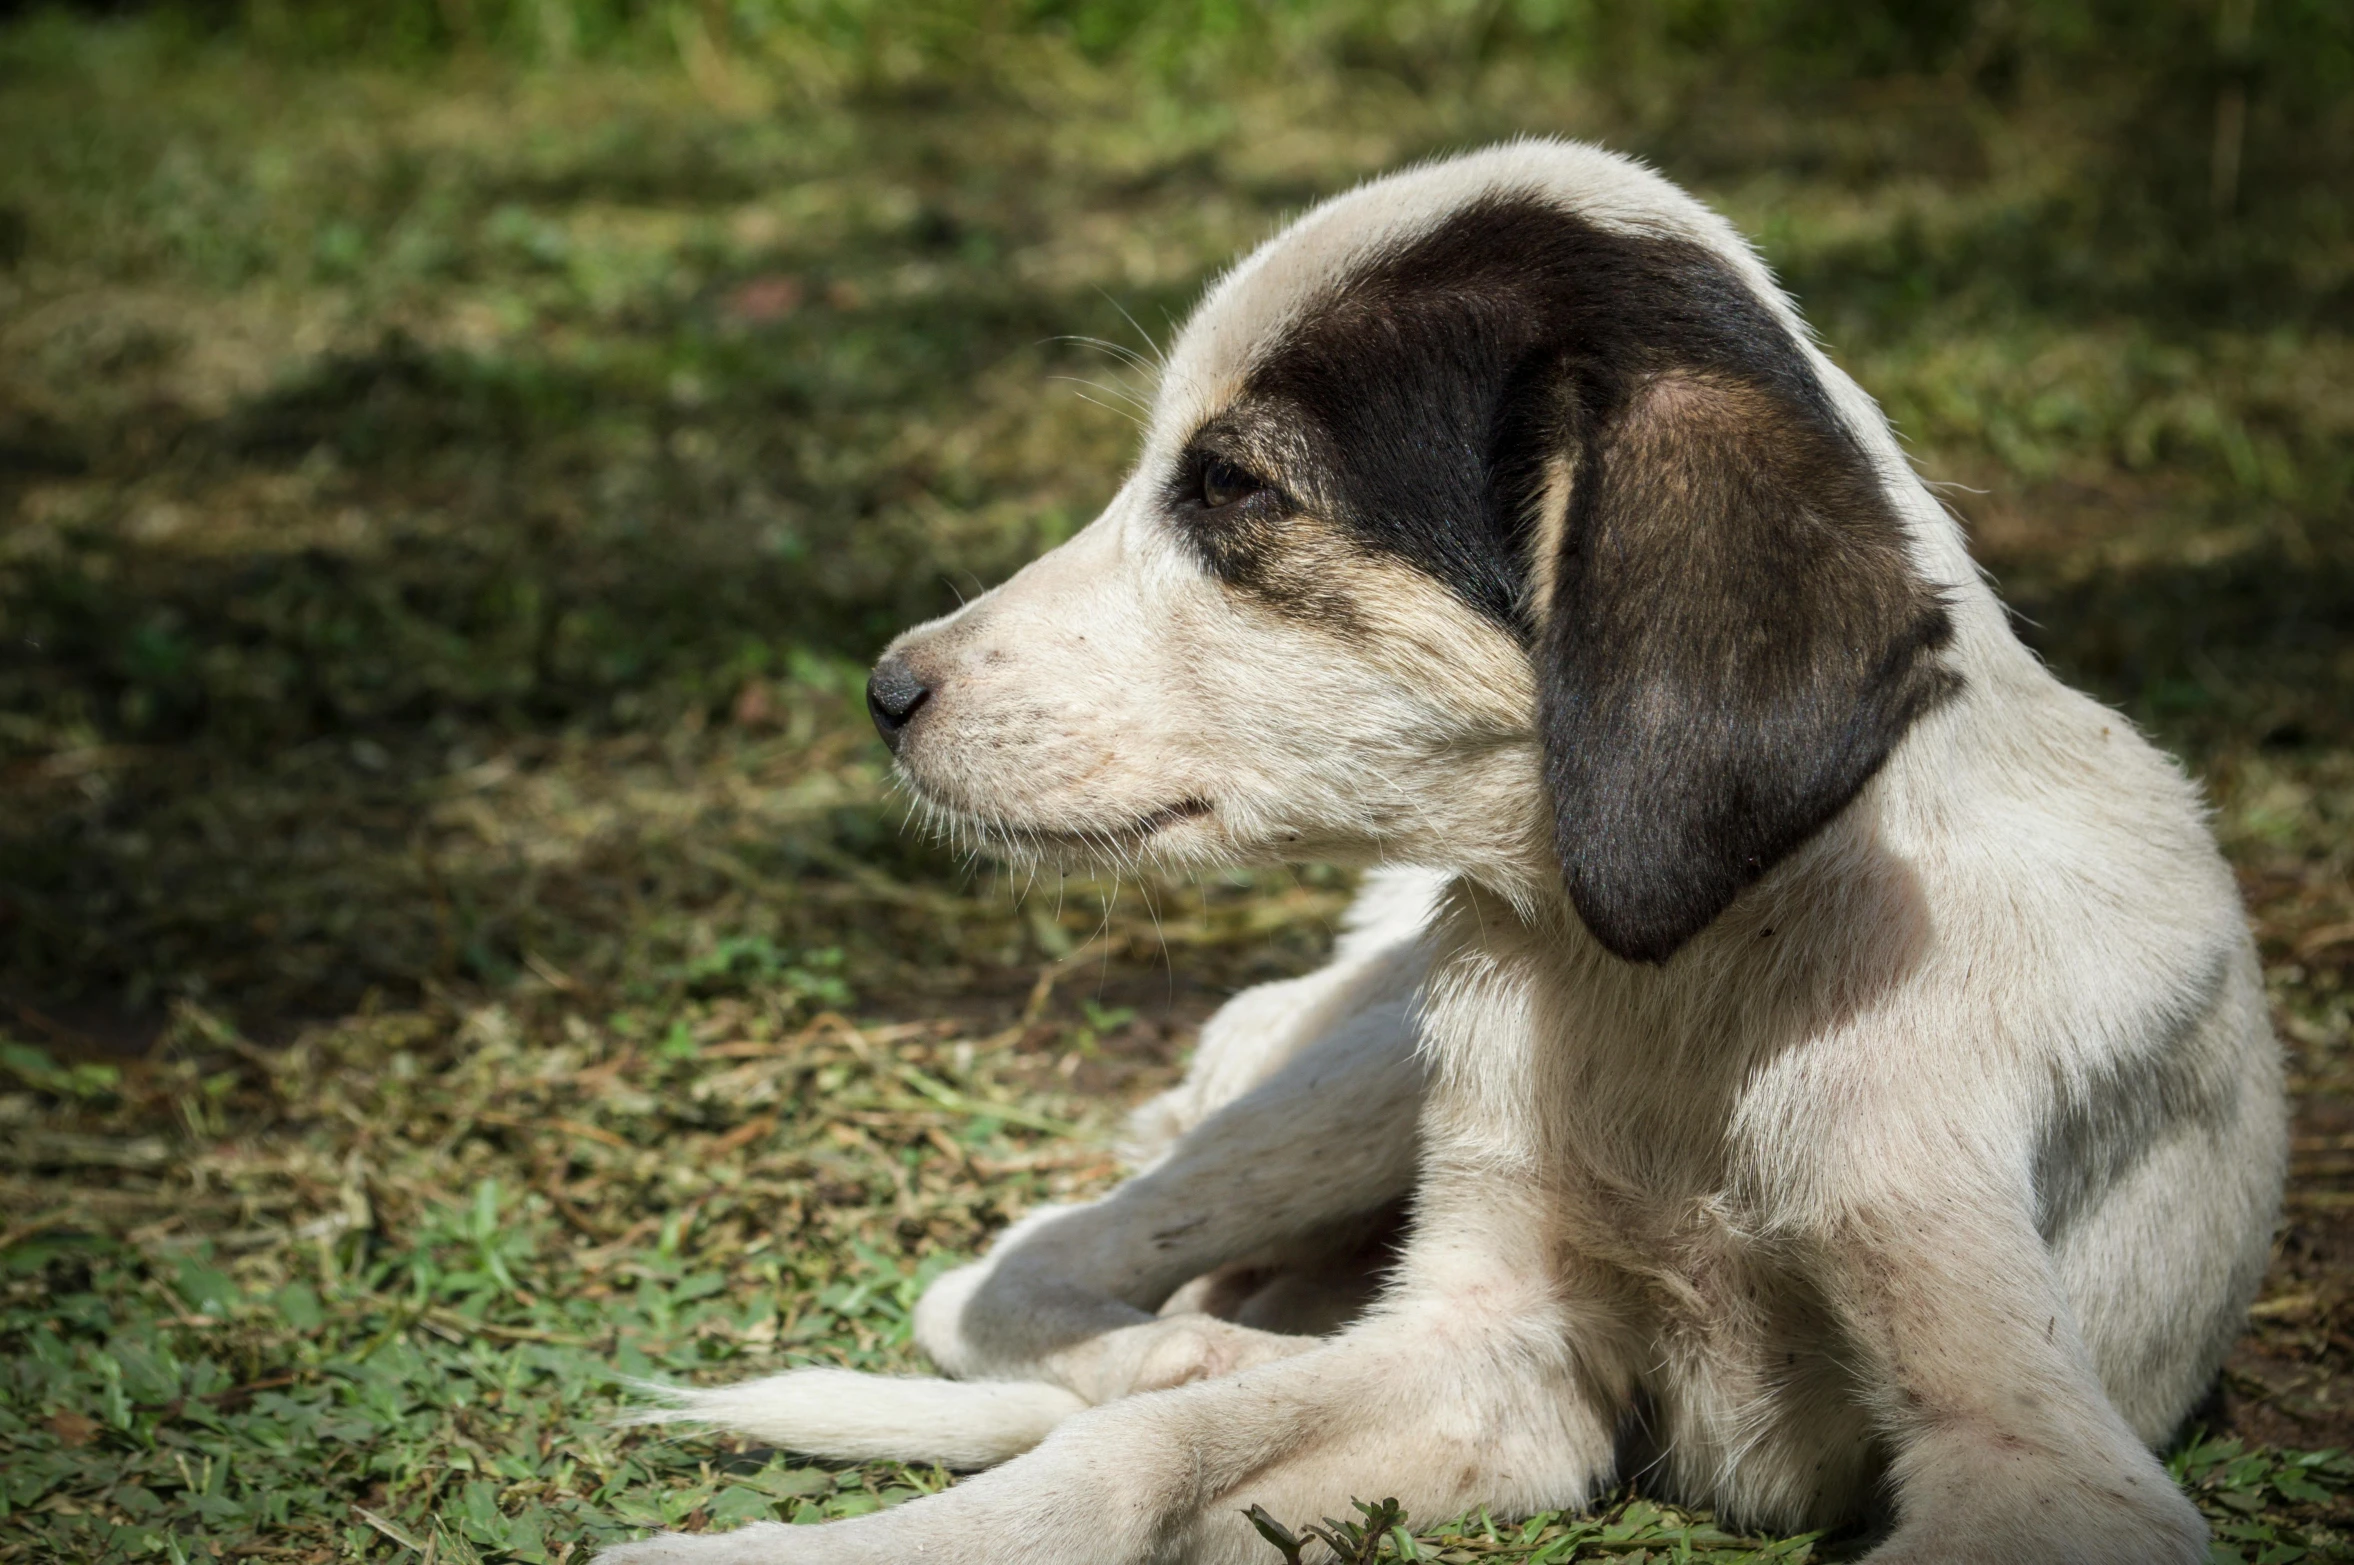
(1735, 639)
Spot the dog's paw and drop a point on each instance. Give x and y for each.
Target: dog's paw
(1038, 1286)
(939, 1325)
(1174, 1351)
(2064, 1524)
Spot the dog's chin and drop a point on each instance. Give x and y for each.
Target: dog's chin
(1183, 831)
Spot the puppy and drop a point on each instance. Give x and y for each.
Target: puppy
(1817, 1062)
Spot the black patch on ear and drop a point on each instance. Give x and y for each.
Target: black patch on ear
(1735, 639)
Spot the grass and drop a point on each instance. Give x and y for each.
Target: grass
(458, 945)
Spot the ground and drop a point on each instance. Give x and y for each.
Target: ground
(459, 947)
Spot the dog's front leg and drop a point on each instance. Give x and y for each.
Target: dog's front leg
(1462, 1391)
(2006, 1449)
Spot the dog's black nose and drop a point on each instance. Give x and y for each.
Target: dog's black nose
(893, 694)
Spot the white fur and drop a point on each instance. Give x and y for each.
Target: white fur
(1946, 1158)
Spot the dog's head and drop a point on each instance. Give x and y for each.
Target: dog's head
(1491, 514)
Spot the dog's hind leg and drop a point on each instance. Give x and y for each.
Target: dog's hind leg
(1070, 1295)
(1061, 1312)
(2162, 1265)
(1461, 1391)
(1287, 1148)
(1292, 1149)
(1380, 959)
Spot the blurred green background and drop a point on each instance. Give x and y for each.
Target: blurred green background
(457, 456)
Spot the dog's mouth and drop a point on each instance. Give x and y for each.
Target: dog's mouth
(1170, 815)
(1126, 836)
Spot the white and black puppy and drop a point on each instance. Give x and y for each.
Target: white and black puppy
(1819, 1061)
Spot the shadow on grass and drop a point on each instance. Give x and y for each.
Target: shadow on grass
(435, 667)
(2072, 261)
(2253, 649)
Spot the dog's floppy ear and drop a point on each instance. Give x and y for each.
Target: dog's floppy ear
(1734, 641)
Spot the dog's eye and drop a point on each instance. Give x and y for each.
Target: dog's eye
(1224, 484)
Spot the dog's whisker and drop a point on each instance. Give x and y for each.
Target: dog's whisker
(1159, 357)
(1126, 355)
